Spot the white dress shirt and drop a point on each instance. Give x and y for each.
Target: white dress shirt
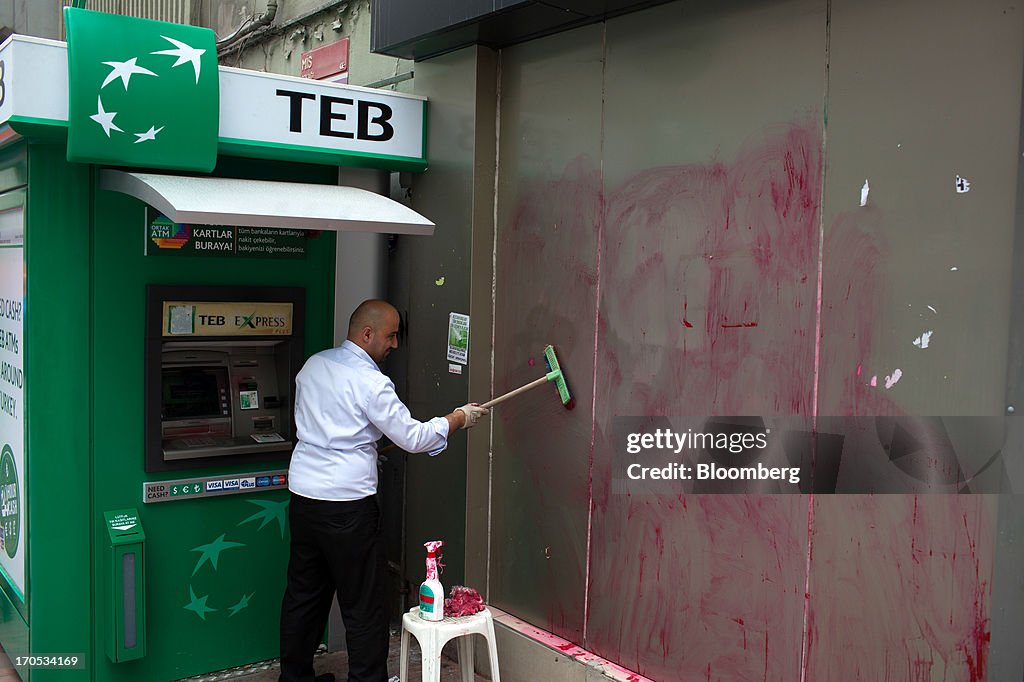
(343, 404)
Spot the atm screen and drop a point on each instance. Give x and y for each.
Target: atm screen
(193, 392)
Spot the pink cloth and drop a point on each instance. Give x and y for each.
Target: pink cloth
(465, 601)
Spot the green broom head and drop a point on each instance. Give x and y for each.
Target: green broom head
(555, 374)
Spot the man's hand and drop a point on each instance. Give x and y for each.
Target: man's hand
(473, 412)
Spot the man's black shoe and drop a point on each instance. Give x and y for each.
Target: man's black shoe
(325, 677)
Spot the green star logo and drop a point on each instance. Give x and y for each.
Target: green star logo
(272, 511)
(211, 552)
(141, 92)
(198, 604)
(242, 603)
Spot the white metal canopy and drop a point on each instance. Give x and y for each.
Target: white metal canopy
(261, 203)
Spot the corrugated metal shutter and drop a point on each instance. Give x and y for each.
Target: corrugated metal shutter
(176, 11)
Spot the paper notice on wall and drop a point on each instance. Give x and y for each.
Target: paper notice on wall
(458, 338)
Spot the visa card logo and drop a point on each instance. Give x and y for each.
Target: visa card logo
(214, 485)
(230, 484)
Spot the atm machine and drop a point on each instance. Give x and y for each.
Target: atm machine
(154, 312)
(220, 366)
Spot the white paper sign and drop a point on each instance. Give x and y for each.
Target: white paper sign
(458, 338)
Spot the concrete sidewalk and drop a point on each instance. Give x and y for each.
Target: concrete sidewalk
(334, 662)
(337, 663)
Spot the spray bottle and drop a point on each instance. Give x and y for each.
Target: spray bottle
(431, 591)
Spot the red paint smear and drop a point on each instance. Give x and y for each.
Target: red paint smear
(854, 248)
(546, 274)
(686, 322)
(669, 227)
(606, 667)
(916, 592)
(730, 558)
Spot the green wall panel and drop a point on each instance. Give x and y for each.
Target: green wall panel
(207, 610)
(14, 634)
(57, 376)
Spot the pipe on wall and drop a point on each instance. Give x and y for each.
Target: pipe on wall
(251, 25)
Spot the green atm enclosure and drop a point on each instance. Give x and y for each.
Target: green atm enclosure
(153, 313)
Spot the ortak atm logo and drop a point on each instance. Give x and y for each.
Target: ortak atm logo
(141, 92)
(168, 235)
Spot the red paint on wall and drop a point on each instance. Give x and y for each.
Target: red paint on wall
(705, 579)
(852, 291)
(914, 597)
(547, 274)
(734, 241)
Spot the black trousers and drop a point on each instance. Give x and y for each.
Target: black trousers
(335, 546)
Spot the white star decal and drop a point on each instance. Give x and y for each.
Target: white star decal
(124, 71)
(148, 135)
(184, 53)
(105, 118)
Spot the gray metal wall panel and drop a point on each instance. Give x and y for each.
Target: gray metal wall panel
(712, 129)
(42, 20)
(1015, 359)
(712, 112)
(430, 278)
(908, 115)
(8, 14)
(902, 587)
(480, 461)
(549, 204)
(1006, 658)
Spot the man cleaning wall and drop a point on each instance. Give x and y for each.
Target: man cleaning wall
(343, 405)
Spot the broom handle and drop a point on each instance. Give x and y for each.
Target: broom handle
(511, 394)
(500, 399)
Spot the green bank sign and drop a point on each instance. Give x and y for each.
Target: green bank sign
(165, 238)
(141, 92)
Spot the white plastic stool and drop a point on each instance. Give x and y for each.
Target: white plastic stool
(432, 636)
